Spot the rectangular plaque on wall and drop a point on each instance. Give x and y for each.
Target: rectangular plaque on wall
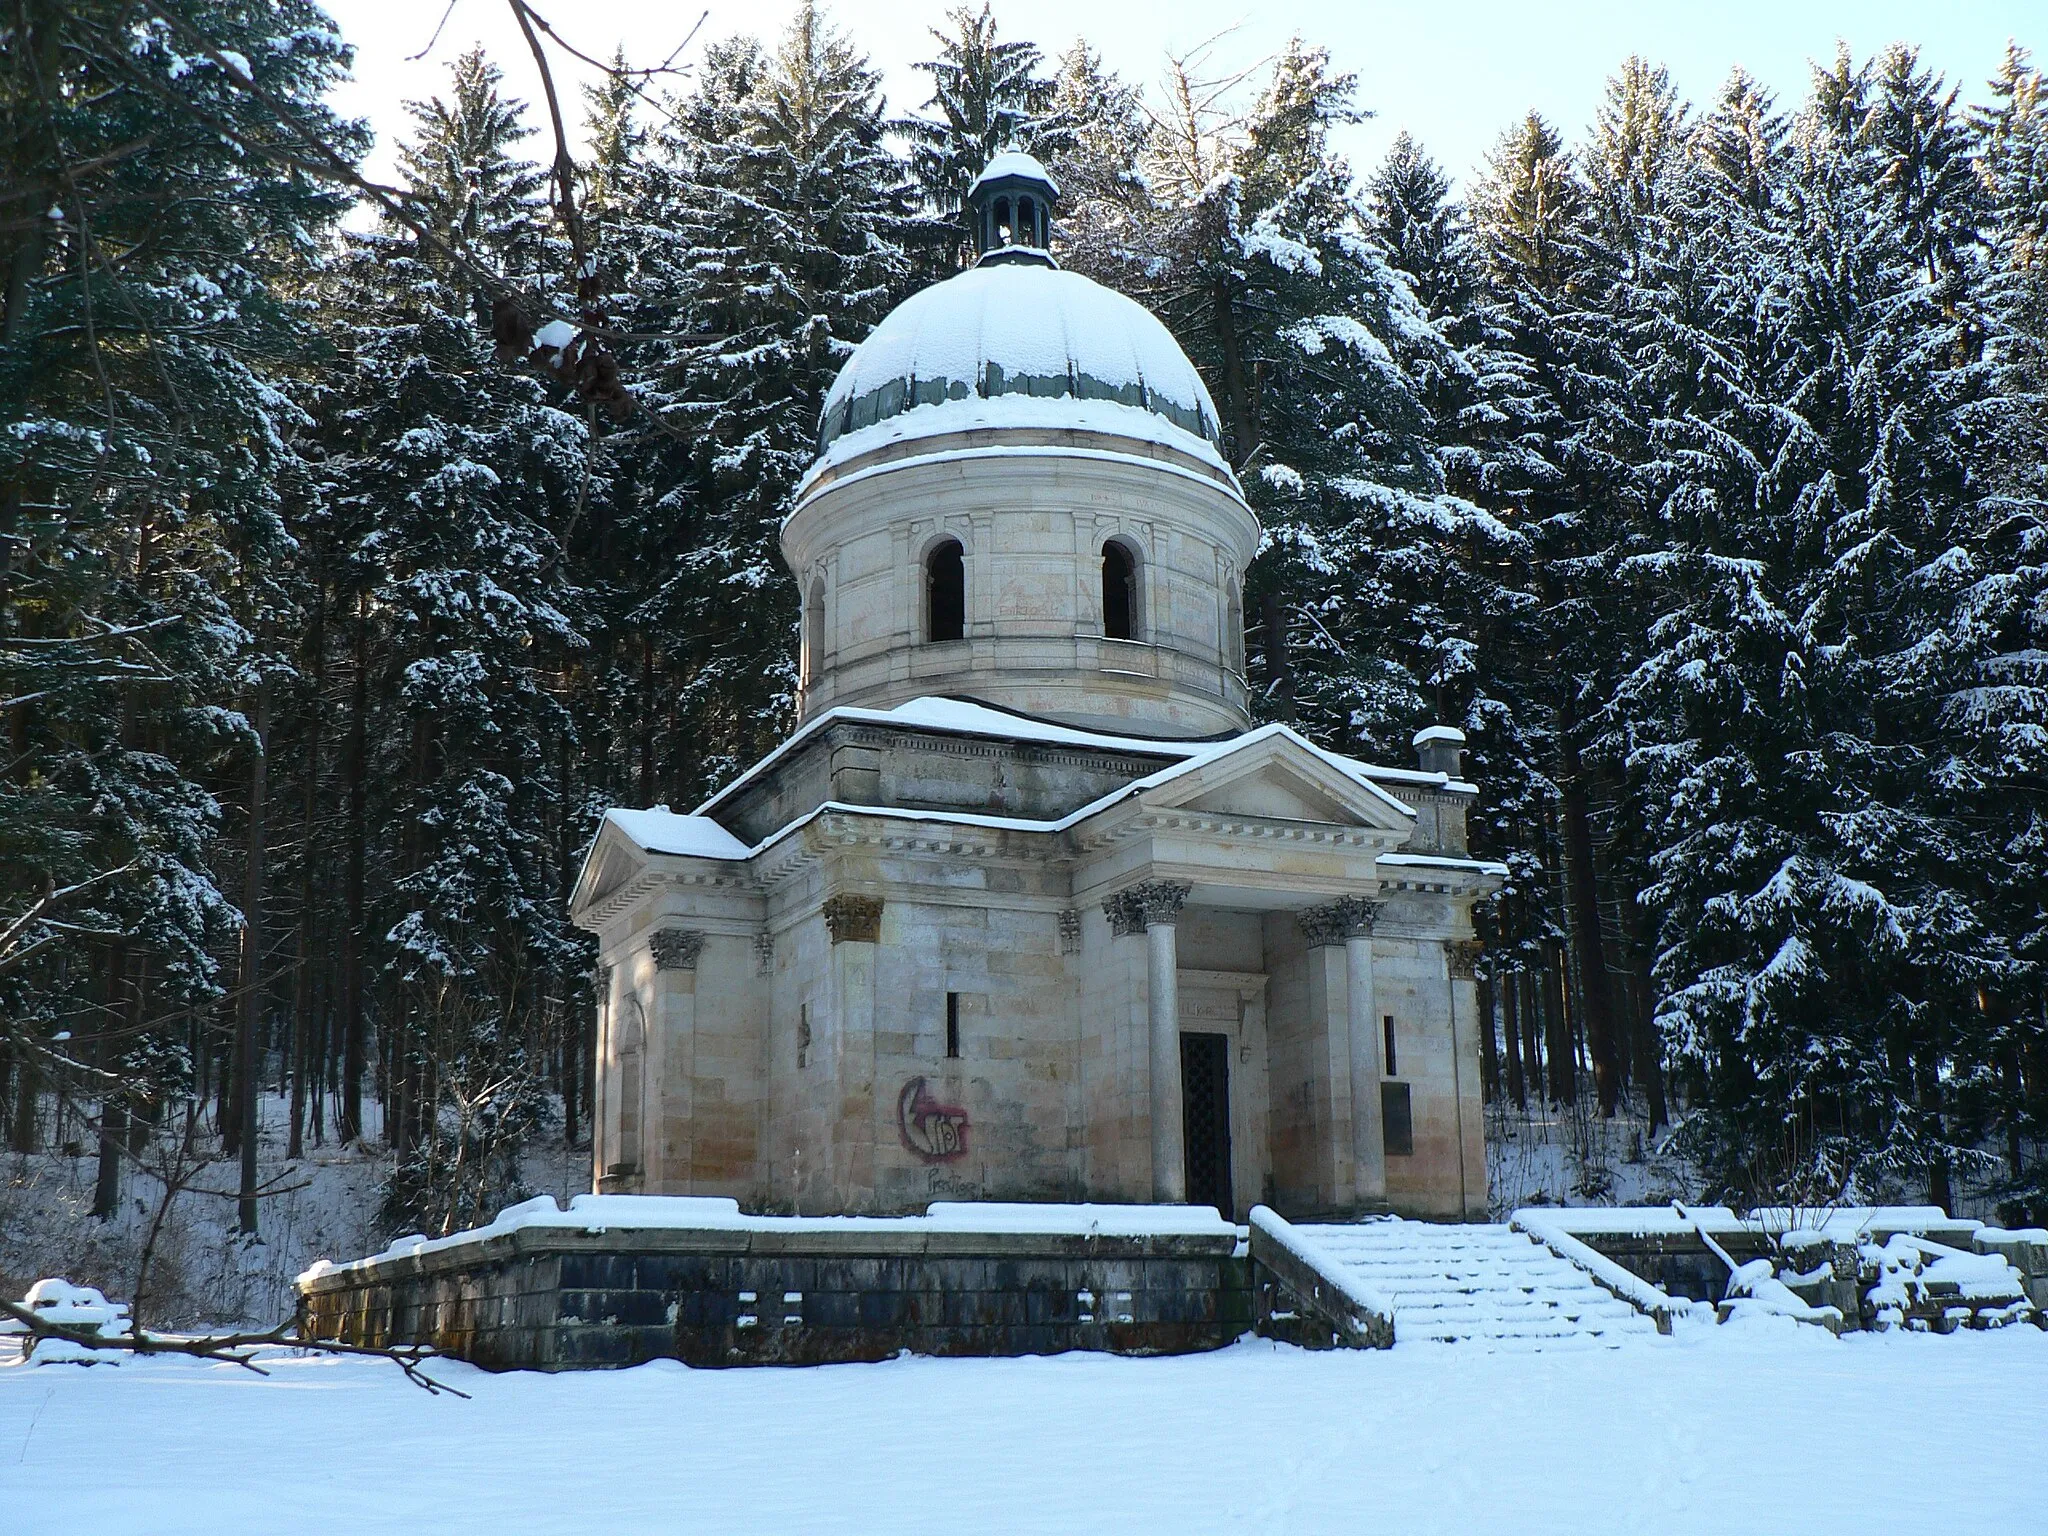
(1396, 1120)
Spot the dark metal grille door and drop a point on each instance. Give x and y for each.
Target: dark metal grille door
(1205, 1118)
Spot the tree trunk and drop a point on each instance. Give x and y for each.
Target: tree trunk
(1238, 404)
(1510, 997)
(1279, 670)
(647, 715)
(21, 1133)
(348, 1123)
(1564, 1086)
(1582, 901)
(1648, 1048)
(252, 960)
(1532, 1029)
(302, 979)
(1489, 1046)
(106, 1198)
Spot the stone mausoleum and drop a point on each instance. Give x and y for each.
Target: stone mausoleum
(1025, 910)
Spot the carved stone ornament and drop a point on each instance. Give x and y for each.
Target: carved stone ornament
(854, 919)
(1146, 903)
(1349, 917)
(1462, 956)
(764, 954)
(1070, 931)
(675, 949)
(601, 984)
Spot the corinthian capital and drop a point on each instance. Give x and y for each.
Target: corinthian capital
(675, 949)
(1348, 917)
(1144, 904)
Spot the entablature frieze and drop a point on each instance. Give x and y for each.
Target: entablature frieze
(911, 738)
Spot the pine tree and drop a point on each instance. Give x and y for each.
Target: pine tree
(1554, 269)
(987, 96)
(145, 465)
(1825, 932)
(1106, 211)
(1484, 406)
(790, 213)
(1996, 717)
(452, 481)
(1273, 285)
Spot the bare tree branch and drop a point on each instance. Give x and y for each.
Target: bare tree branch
(236, 1348)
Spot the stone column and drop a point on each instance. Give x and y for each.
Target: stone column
(1153, 908)
(1350, 920)
(848, 1051)
(671, 1061)
(599, 1086)
(1461, 961)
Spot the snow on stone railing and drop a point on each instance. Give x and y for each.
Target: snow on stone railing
(704, 1213)
(1923, 1284)
(1308, 1268)
(78, 1307)
(1754, 1289)
(1841, 1224)
(1632, 1288)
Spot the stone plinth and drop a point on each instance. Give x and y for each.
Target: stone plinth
(788, 1292)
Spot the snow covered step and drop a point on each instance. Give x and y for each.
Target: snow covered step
(1463, 1282)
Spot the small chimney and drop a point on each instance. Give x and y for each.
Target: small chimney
(1441, 749)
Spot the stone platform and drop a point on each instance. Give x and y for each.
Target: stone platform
(619, 1279)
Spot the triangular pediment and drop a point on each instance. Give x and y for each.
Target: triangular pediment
(1275, 776)
(612, 861)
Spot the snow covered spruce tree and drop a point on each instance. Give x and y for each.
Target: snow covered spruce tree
(145, 462)
(1550, 261)
(987, 96)
(788, 214)
(1273, 284)
(1106, 209)
(1484, 405)
(1995, 722)
(1801, 717)
(452, 480)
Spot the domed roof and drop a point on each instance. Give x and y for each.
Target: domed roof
(1021, 330)
(1014, 164)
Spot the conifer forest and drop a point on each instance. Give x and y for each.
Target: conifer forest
(360, 543)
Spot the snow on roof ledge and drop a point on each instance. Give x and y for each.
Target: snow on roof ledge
(704, 1213)
(660, 830)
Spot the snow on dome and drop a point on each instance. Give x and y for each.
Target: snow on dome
(1015, 330)
(1014, 162)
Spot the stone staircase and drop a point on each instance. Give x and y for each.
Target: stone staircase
(1463, 1283)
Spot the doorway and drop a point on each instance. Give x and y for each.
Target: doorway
(1205, 1119)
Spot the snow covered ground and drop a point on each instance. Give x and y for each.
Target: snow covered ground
(1750, 1427)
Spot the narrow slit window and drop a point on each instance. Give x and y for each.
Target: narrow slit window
(1387, 1027)
(1119, 592)
(945, 582)
(803, 1035)
(953, 1025)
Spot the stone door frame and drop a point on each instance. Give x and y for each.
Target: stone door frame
(1250, 1111)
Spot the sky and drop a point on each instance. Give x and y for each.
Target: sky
(1452, 75)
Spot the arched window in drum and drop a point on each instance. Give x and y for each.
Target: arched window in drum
(1122, 618)
(945, 593)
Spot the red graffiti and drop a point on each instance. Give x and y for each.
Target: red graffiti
(935, 1132)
